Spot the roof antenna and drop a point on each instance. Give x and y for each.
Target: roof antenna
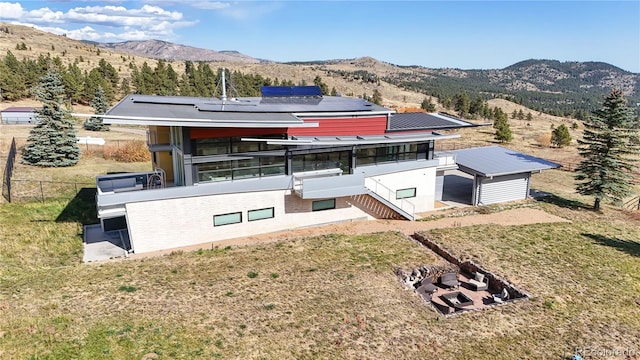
(224, 87)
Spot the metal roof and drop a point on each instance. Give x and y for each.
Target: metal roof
(249, 104)
(19, 109)
(496, 161)
(182, 111)
(423, 121)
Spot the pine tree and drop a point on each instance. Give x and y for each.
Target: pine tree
(100, 106)
(52, 142)
(503, 129)
(427, 105)
(608, 149)
(560, 137)
(323, 87)
(377, 97)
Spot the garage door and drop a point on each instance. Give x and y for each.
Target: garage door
(503, 188)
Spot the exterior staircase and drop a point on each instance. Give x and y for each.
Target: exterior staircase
(375, 207)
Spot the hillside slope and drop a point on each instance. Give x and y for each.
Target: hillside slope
(157, 49)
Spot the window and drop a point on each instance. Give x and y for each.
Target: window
(386, 153)
(260, 214)
(226, 219)
(320, 205)
(321, 161)
(241, 169)
(405, 193)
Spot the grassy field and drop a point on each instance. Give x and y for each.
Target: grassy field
(326, 297)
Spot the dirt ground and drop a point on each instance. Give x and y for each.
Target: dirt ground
(517, 216)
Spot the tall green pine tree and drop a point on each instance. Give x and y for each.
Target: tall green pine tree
(503, 129)
(52, 142)
(100, 106)
(608, 150)
(560, 136)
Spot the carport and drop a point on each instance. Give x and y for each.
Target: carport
(499, 174)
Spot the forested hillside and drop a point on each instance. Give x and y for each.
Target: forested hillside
(549, 86)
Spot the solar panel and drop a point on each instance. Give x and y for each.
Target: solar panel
(289, 91)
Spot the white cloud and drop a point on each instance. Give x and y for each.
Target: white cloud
(10, 11)
(101, 23)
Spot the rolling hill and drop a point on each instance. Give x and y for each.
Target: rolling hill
(554, 87)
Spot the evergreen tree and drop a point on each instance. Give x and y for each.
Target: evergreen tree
(503, 129)
(125, 88)
(608, 152)
(461, 103)
(73, 82)
(377, 97)
(427, 105)
(52, 142)
(100, 106)
(323, 87)
(560, 137)
(334, 92)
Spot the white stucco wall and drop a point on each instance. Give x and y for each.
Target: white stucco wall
(167, 224)
(424, 180)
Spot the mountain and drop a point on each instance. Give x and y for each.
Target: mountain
(545, 85)
(551, 86)
(157, 49)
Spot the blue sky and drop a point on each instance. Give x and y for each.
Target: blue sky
(437, 34)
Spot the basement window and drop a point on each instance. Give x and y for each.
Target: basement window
(260, 214)
(320, 205)
(226, 219)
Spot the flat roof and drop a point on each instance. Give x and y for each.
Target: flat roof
(19, 109)
(233, 112)
(424, 121)
(248, 104)
(497, 161)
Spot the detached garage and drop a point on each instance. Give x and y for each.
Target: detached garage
(499, 174)
(18, 115)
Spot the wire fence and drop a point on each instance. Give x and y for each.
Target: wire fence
(8, 171)
(24, 190)
(41, 190)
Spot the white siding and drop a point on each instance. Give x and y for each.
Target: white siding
(503, 188)
(167, 224)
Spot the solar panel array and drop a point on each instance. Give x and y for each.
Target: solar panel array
(290, 91)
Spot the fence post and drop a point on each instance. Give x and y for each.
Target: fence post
(41, 192)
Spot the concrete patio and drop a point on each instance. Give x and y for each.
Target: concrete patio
(100, 246)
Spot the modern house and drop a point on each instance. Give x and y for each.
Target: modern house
(230, 168)
(18, 115)
(234, 167)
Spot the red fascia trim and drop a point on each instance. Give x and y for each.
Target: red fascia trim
(343, 126)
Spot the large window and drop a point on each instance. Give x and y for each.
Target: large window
(241, 169)
(232, 145)
(260, 214)
(383, 154)
(322, 161)
(320, 205)
(405, 193)
(226, 219)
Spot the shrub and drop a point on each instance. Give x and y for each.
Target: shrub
(545, 140)
(133, 151)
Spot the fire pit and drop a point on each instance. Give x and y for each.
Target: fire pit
(456, 299)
